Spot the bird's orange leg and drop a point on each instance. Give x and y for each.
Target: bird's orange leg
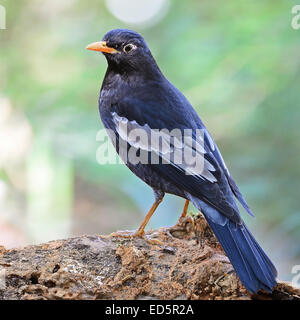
(140, 232)
(185, 209)
(181, 223)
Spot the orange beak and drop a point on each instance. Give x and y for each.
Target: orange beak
(101, 46)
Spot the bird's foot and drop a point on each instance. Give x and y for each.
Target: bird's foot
(184, 226)
(127, 234)
(135, 234)
(154, 242)
(185, 220)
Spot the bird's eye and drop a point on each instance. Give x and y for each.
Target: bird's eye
(129, 47)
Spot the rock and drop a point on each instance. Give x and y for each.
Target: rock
(181, 262)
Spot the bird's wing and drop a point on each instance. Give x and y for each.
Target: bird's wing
(209, 184)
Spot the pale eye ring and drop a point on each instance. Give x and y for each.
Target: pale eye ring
(129, 47)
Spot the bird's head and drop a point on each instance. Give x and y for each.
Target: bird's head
(125, 51)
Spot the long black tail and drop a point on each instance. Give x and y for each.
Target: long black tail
(250, 262)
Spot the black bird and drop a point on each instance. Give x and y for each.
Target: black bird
(136, 95)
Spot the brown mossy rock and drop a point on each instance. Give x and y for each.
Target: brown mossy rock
(182, 262)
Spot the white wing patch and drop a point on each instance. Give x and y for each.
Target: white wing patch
(215, 148)
(175, 148)
(210, 140)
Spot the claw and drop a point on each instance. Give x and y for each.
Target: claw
(139, 233)
(127, 234)
(154, 242)
(131, 235)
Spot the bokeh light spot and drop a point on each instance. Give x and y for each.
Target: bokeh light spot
(139, 12)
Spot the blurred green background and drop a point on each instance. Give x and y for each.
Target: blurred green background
(236, 61)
